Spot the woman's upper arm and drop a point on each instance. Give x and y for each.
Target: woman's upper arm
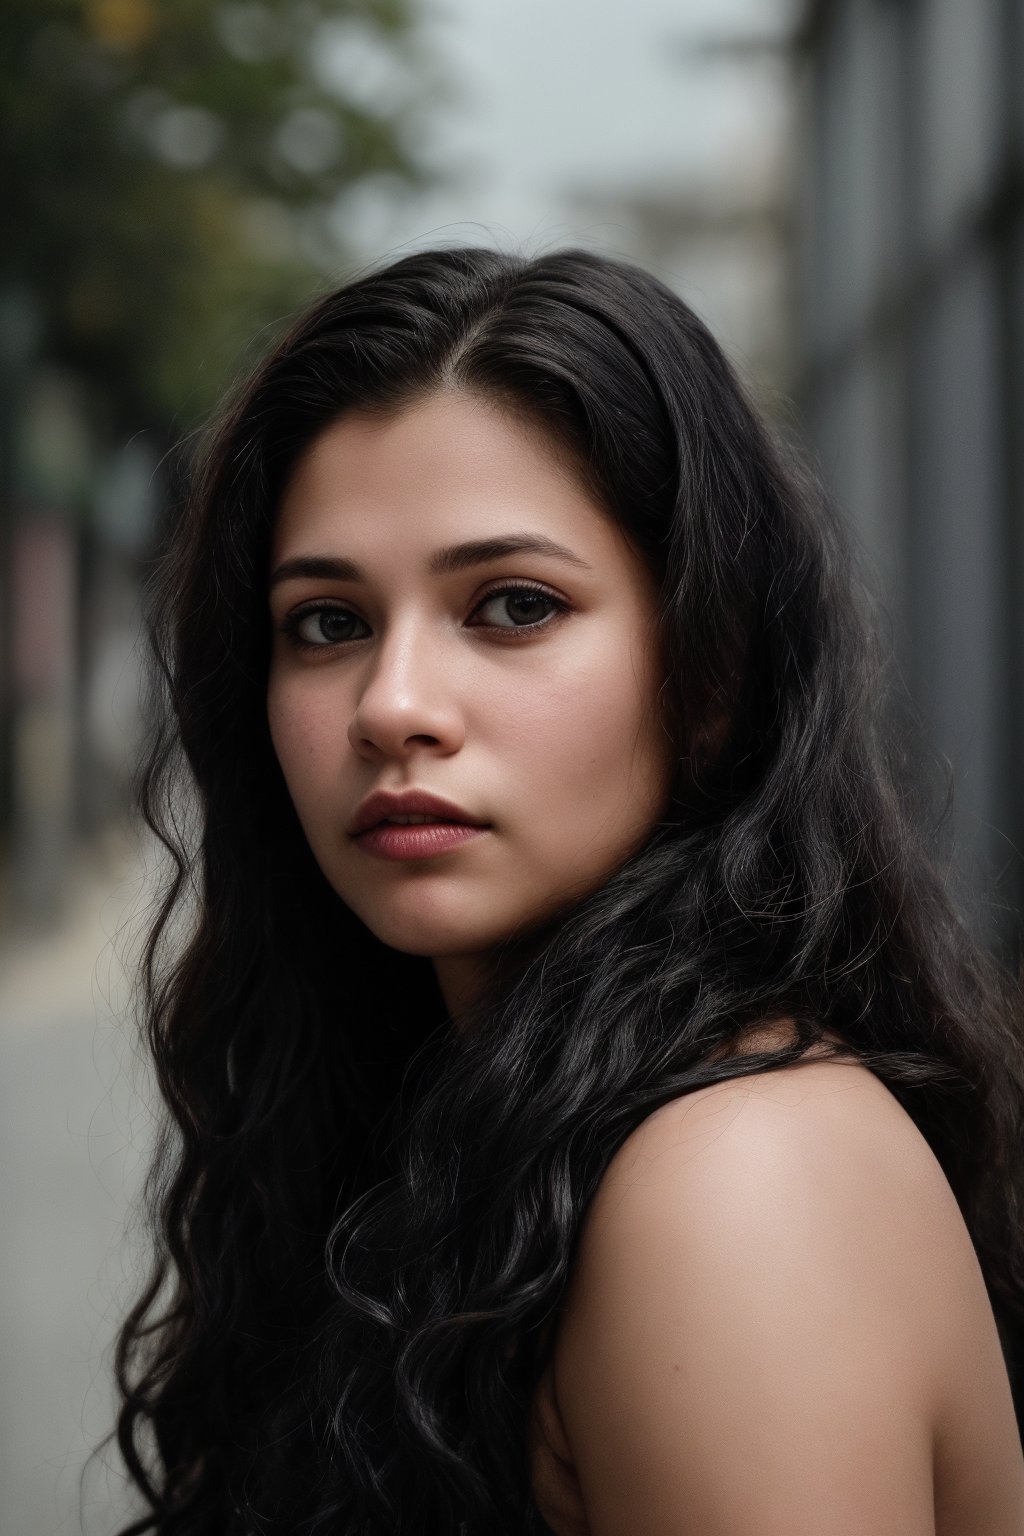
(753, 1327)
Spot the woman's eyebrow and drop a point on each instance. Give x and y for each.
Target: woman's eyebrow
(443, 562)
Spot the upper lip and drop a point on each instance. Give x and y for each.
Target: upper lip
(408, 802)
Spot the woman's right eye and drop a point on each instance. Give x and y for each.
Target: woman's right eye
(315, 628)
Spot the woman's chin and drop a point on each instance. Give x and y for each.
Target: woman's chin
(431, 936)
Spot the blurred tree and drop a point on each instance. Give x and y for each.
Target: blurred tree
(173, 170)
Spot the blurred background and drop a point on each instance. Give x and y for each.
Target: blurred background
(836, 187)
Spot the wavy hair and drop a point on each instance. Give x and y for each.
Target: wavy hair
(365, 1219)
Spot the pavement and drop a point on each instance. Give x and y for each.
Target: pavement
(76, 1127)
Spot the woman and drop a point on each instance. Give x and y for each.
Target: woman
(589, 1113)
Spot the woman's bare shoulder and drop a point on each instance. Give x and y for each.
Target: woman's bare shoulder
(827, 1123)
(773, 1266)
(740, 1114)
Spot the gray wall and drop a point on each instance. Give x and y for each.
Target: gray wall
(913, 343)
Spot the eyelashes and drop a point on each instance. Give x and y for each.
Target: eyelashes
(327, 614)
(321, 617)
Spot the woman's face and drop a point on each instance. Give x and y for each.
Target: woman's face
(408, 654)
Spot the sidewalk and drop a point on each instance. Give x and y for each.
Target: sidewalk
(75, 1129)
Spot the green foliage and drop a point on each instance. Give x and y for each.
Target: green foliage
(172, 173)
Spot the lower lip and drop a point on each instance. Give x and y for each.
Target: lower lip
(387, 841)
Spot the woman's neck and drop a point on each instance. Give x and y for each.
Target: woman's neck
(463, 980)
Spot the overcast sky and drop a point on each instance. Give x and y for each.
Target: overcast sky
(557, 96)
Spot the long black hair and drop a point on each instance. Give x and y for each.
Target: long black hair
(366, 1218)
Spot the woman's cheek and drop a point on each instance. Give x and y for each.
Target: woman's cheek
(304, 733)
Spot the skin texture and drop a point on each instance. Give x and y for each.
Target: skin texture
(777, 1326)
(550, 734)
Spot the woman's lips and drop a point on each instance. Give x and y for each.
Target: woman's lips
(388, 840)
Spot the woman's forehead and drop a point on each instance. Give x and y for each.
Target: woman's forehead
(444, 471)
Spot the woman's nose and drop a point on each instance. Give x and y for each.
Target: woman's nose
(407, 702)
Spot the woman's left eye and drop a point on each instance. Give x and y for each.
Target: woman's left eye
(520, 607)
